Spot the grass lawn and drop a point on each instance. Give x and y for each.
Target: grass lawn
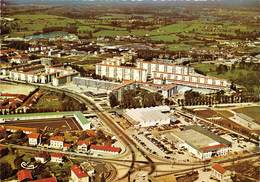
(225, 113)
(111, 33)
(253, 112)
(49, 101)
(165, 38)
(9, 158)
(179, 47)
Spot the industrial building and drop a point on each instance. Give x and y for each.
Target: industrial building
(146, 117)
(202, 143)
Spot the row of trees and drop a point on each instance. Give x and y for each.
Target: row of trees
(195, 98)
(135, 98)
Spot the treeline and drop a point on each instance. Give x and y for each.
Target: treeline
(136, 98)
(192, 98)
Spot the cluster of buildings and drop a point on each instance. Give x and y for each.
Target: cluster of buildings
(40, 71)
(78, 173)
(83, 146)
(156, 72)
(10, 102)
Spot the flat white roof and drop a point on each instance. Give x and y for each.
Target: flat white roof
(148, 114)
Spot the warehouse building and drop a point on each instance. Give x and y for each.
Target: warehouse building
(146, 117)
(202, 143)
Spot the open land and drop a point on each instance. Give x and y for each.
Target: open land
(63, 124)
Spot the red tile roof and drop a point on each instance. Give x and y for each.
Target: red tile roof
(24, 174)
(51, 179)
(34, 135)
(43, 154)
(57, 138)
(105, 148)
(57, 155)
(67, 145)
(218, 168)
(213, 147)
(78, 171)
(82, 142)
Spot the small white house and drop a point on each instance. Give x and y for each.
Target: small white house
(42, 157)
(56, 142)
(57, 157)
(83, 146)
(34, 139)
(220, 173)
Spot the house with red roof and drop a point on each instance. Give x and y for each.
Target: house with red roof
(105, 149)
(66, 146)
(221, 174)
(24, 175)
(34, 139)
(83, 146)
(57, 157)
(42, 156)
(78, 174)
(51, 179)
(57, 142)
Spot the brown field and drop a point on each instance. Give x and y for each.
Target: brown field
(63, 124)
(223, 121)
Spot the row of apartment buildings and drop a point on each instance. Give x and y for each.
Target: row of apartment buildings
(158, 72)
(38, 73)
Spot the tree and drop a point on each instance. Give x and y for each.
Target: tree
(113, 100)
(5, 170)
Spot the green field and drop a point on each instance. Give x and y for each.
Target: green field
(165, 38)
(253, 112)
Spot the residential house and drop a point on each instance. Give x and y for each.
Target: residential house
(56, 142)
(34, 139)
(42, 156)
(83, 145)
(78, 175)
(57, 157)
(105, 149)
(24, 175)
(220, 173)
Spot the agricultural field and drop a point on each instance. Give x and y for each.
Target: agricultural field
(253, 112)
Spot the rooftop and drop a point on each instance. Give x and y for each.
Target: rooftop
(202, 139)
(81, 118)
(78, 171)
(218, 168)
(24, 174)
(57, 138)
(105, 148)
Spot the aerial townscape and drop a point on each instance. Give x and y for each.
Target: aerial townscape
(130, 91)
